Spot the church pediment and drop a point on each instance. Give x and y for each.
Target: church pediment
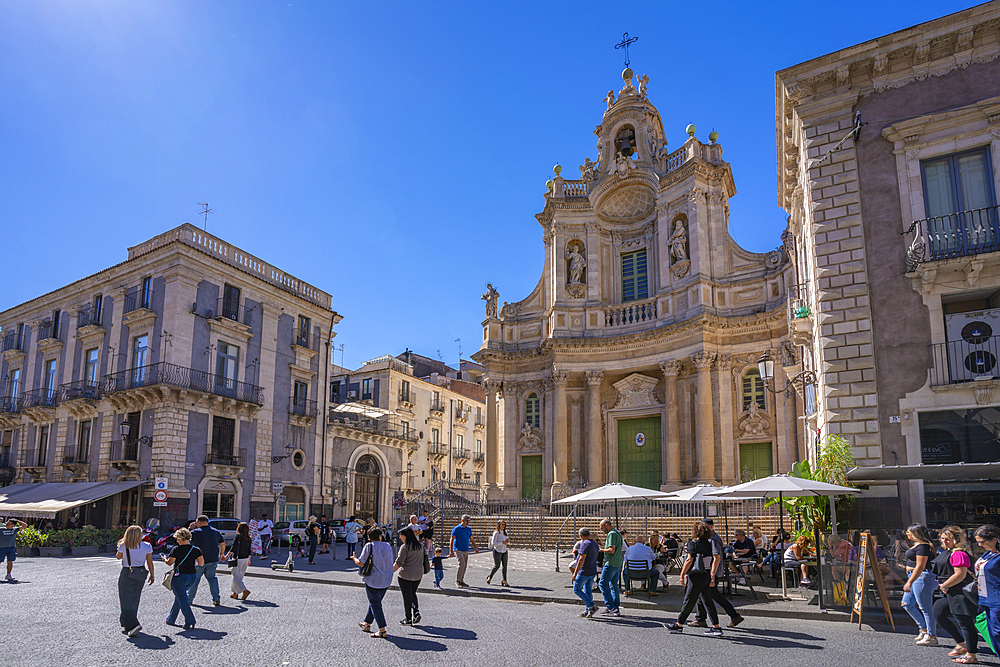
(636, 390)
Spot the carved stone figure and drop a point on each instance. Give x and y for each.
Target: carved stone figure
(610, 99)
(643, 82)
(678, 242)
(577, 263)
(622, 165)
(636, 390)
(587, 169)
(753, 422)
(529, 439)
(490, 298)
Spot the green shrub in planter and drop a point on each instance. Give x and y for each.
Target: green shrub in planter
(61, 538)
(29, 537)
(87, 537)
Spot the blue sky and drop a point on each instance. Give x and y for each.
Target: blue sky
(392, 154)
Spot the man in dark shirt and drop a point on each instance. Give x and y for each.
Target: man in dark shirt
(8, 543)
(213, 548)
(718, 549)
(585, 571)
(324, 534)
(744, 548)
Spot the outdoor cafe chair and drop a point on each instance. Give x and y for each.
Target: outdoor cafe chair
(639, 571)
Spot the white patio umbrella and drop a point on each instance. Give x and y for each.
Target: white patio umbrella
(781, 486)
(614, 491)
(700, 494)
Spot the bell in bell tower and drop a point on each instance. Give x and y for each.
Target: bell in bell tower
(625, 141)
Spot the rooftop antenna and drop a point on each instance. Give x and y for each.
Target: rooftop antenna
(342, 355)
(459, 341)
(206, 210)
(624, 44)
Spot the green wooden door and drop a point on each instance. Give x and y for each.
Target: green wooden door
(639, 450)
(531, 476)
(755, 461)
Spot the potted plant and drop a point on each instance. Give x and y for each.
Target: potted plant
(110, 538)
(57, 543)
(27, 541)
(86, 541)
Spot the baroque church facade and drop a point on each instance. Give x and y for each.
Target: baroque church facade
(634, 359)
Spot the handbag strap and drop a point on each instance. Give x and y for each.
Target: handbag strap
(177, 566)
(128, 557)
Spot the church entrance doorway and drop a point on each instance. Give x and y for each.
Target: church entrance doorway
(639, 449)
(531, 476)
(366, 487)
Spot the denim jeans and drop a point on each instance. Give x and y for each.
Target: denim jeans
(583, 587)
(375, 613)
(265, 542)
(208, 570)
(130, 583)
(351, 546)
(179, 588)
(919, 602)
(608, 584)
(438, 576)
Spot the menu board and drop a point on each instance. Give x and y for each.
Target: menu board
(868, 563)
(255, 543)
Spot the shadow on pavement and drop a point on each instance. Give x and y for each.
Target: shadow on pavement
(631, 621)
(408, 643)
(448, 633)
(202, 634)
(737, 638)
(777, 633)
(260, 603)
(222, 609)
(152, 642)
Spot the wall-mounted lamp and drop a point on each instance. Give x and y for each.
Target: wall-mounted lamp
(288, 452)
(765, 365)
(126, 428)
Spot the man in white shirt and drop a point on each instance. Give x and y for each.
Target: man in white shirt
(265, 528)
(640, 556)
(351, 531)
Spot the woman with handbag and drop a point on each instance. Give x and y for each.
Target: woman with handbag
(312, 534)
(956, 611)
(988, 580)
(918, 591)
(184, 557)
(410, 565)
(240, 552)
(375, 561)
(136, 556)
(499, 542)
(698, 574)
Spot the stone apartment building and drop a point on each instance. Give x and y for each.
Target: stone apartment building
(897, 257)
(634, 359)
(193, 361)
(414, 431)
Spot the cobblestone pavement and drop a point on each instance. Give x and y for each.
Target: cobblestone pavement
(64, 611)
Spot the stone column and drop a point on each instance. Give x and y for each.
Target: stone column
(507, 468)
(595, 434)
(727, 442)
(706, 429)
(560, 450)
(492, 460)
(671, 369)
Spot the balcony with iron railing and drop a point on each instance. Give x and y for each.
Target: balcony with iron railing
(124, 452)
(479, 457)
(35, 458)
(80, 390)
(8, 469)
(172, 375)
(960, 361)
(406, 397)
(437, 405)
(40, 398)
(11, 341)
(437, 449)
(79, 457)
(386, 425)
(304, 339)
(87, 316)
(237, 313)
(226, 457)
(10, 405)
(480, 420)
(48, 330)
(302, 407)
(954, 235)
(800, 315)
(137, 298)
(460, 453)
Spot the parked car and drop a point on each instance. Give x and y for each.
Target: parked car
(227, 527)
(337, 530)
(290, 531)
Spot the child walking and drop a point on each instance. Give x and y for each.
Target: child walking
(438, 563)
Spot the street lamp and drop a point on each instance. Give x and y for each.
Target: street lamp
(125, 427)
(409, 469)
(288, 452)
(765, 365)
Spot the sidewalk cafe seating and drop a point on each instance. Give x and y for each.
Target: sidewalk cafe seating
(637, 570)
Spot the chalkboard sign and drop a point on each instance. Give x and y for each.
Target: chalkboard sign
(868, 563)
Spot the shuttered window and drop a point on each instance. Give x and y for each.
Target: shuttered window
(634, 280)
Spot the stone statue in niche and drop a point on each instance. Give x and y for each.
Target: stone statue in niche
(610, 99)
(529, 439)
(678, 242)
(576, 263)
(490, 298)
(753, 422)
(587, 169)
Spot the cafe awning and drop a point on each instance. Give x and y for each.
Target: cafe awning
(926, 472)
(45, 499)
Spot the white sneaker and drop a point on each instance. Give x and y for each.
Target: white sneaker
(928, 640)
(920, 635)
(742, 581)
(9, 577)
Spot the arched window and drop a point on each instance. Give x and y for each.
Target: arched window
(753, 389)
(531, 412)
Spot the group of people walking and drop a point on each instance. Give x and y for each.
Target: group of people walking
(196, 555)
(966, 588)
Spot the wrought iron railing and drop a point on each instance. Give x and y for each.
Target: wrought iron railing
(227, 458)
(10, 404)
(11, 341)
(185, 378)
(405, 397)
(480, 420)
(88, 315)
(40, 398)
(437, 406)
(78, 457)
(46, 331)
(798, 302)
(304, 339)
(35, 458)
(137, 298)
(387, 425)
(302, 407)
(436, 448)
(80, 389)
(124, 451)
(460, 453)
(479, 457)
(955, 235)
(964, 360)
(243, 314)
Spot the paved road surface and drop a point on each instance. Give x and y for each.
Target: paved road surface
(65, 612)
